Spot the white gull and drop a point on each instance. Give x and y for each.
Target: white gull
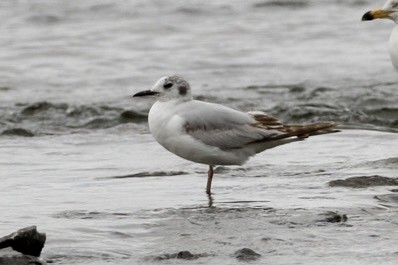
(213, 134)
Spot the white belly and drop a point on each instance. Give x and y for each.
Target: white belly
(393, 47)
(169, 131)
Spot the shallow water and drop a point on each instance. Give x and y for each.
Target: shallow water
(273, 205)
(76, 157)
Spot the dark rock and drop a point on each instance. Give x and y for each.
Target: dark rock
(26, 241)
(18, 132)
(246, 254)
(186, 255)
(364, 182)
(21, 260)
(333, 217)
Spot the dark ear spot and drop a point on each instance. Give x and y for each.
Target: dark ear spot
(182, 90)
(167, 85)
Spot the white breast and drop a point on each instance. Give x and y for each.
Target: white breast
(393, 47)
(159, 119)
(168, 130)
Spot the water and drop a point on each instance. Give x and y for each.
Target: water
(91, 176)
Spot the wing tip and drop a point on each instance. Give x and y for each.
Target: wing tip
(304, 131)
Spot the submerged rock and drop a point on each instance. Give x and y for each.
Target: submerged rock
(186, 255)
(364, 182)
(246, 254)
(21, 260)
(18, 132)
(26, 241)
(334, 217)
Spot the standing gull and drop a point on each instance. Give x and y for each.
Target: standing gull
(390, 11)
(213, 134)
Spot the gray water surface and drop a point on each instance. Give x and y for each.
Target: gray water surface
(77, 159)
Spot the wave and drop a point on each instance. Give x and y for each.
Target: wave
(18, 132)
(282, 3)
(369, 108)
(53, 118)
(298, 103)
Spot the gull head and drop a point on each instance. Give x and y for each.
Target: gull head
(169, 88)
(389, 10)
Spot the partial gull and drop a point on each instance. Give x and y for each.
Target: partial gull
(390, 11)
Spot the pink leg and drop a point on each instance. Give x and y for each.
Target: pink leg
(209, 179)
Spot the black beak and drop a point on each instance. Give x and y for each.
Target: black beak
(367, 16)
(145, 93)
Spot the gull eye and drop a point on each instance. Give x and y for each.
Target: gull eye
(167, 85)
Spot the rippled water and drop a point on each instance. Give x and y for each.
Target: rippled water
(76, 157)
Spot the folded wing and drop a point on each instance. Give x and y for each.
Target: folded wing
(226, 128)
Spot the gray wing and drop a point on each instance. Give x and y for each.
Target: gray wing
(226, 128)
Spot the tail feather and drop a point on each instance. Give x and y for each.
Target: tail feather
(287, 133)
(290, 130)
(306, 130)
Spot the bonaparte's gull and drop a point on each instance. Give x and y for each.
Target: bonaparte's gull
(390, 11)
(213, 134)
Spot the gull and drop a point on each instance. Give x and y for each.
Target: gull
(390, 11)
(214, 134)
